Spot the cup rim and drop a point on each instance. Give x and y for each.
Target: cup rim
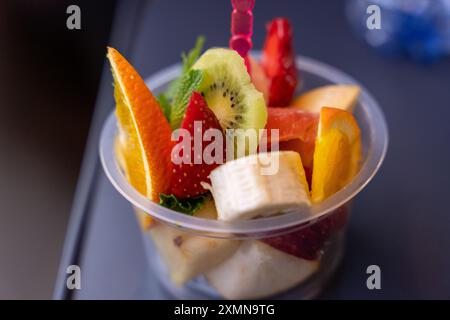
(273, 225)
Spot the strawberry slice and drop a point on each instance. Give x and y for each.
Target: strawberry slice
(278, 62)
(187, 177)
(306, 243)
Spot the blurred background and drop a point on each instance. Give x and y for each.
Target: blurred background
(50, 79)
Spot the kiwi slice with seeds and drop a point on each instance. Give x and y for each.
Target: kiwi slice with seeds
(229, 92)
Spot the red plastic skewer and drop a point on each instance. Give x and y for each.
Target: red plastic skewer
(242, 28)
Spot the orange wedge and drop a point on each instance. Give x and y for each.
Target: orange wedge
(336, 96)
(337, 154)
(143, 146)
(144, 220)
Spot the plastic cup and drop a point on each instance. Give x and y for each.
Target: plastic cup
(180, 229)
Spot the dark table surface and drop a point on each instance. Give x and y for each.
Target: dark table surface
(401, 221)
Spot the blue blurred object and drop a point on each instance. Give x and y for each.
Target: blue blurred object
(419, 29)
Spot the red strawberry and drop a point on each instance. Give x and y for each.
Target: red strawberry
(188, 176)
(278, 62)
(306, 243)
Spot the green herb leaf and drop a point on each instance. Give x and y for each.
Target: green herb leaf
(188, 61)
(189, 82)
(186, 206)
(175, 99)
(165, 105)
(172, 88)
(193, 54)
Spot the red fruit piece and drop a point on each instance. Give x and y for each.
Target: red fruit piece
(278, 62)
(293, 124)
(297, 132)
(187, 177)
(306, 151)
(304, 244)
(307, 242)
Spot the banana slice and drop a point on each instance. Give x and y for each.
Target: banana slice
(257, 270)
(259, 185)
(187, 255)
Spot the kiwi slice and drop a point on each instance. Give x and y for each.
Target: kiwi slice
(229, 92)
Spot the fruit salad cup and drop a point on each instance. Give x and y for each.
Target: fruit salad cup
(223, 249)
(241, 167)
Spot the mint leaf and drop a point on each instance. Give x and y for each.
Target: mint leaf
(189, 82)
(175, 99)
(165, 105)
(193, 54)
(172, 88)
(188, 61)
(186, 206)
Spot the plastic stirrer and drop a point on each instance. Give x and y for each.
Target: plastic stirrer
(242, 28)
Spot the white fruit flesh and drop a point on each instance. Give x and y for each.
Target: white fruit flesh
(187, 255)
(246, 188)
(257, 270)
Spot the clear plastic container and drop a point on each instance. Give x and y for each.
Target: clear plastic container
(239, 259)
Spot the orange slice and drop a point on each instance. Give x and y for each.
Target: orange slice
(337, 154)
(144, 220)
(143, 145)
(336, 96)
